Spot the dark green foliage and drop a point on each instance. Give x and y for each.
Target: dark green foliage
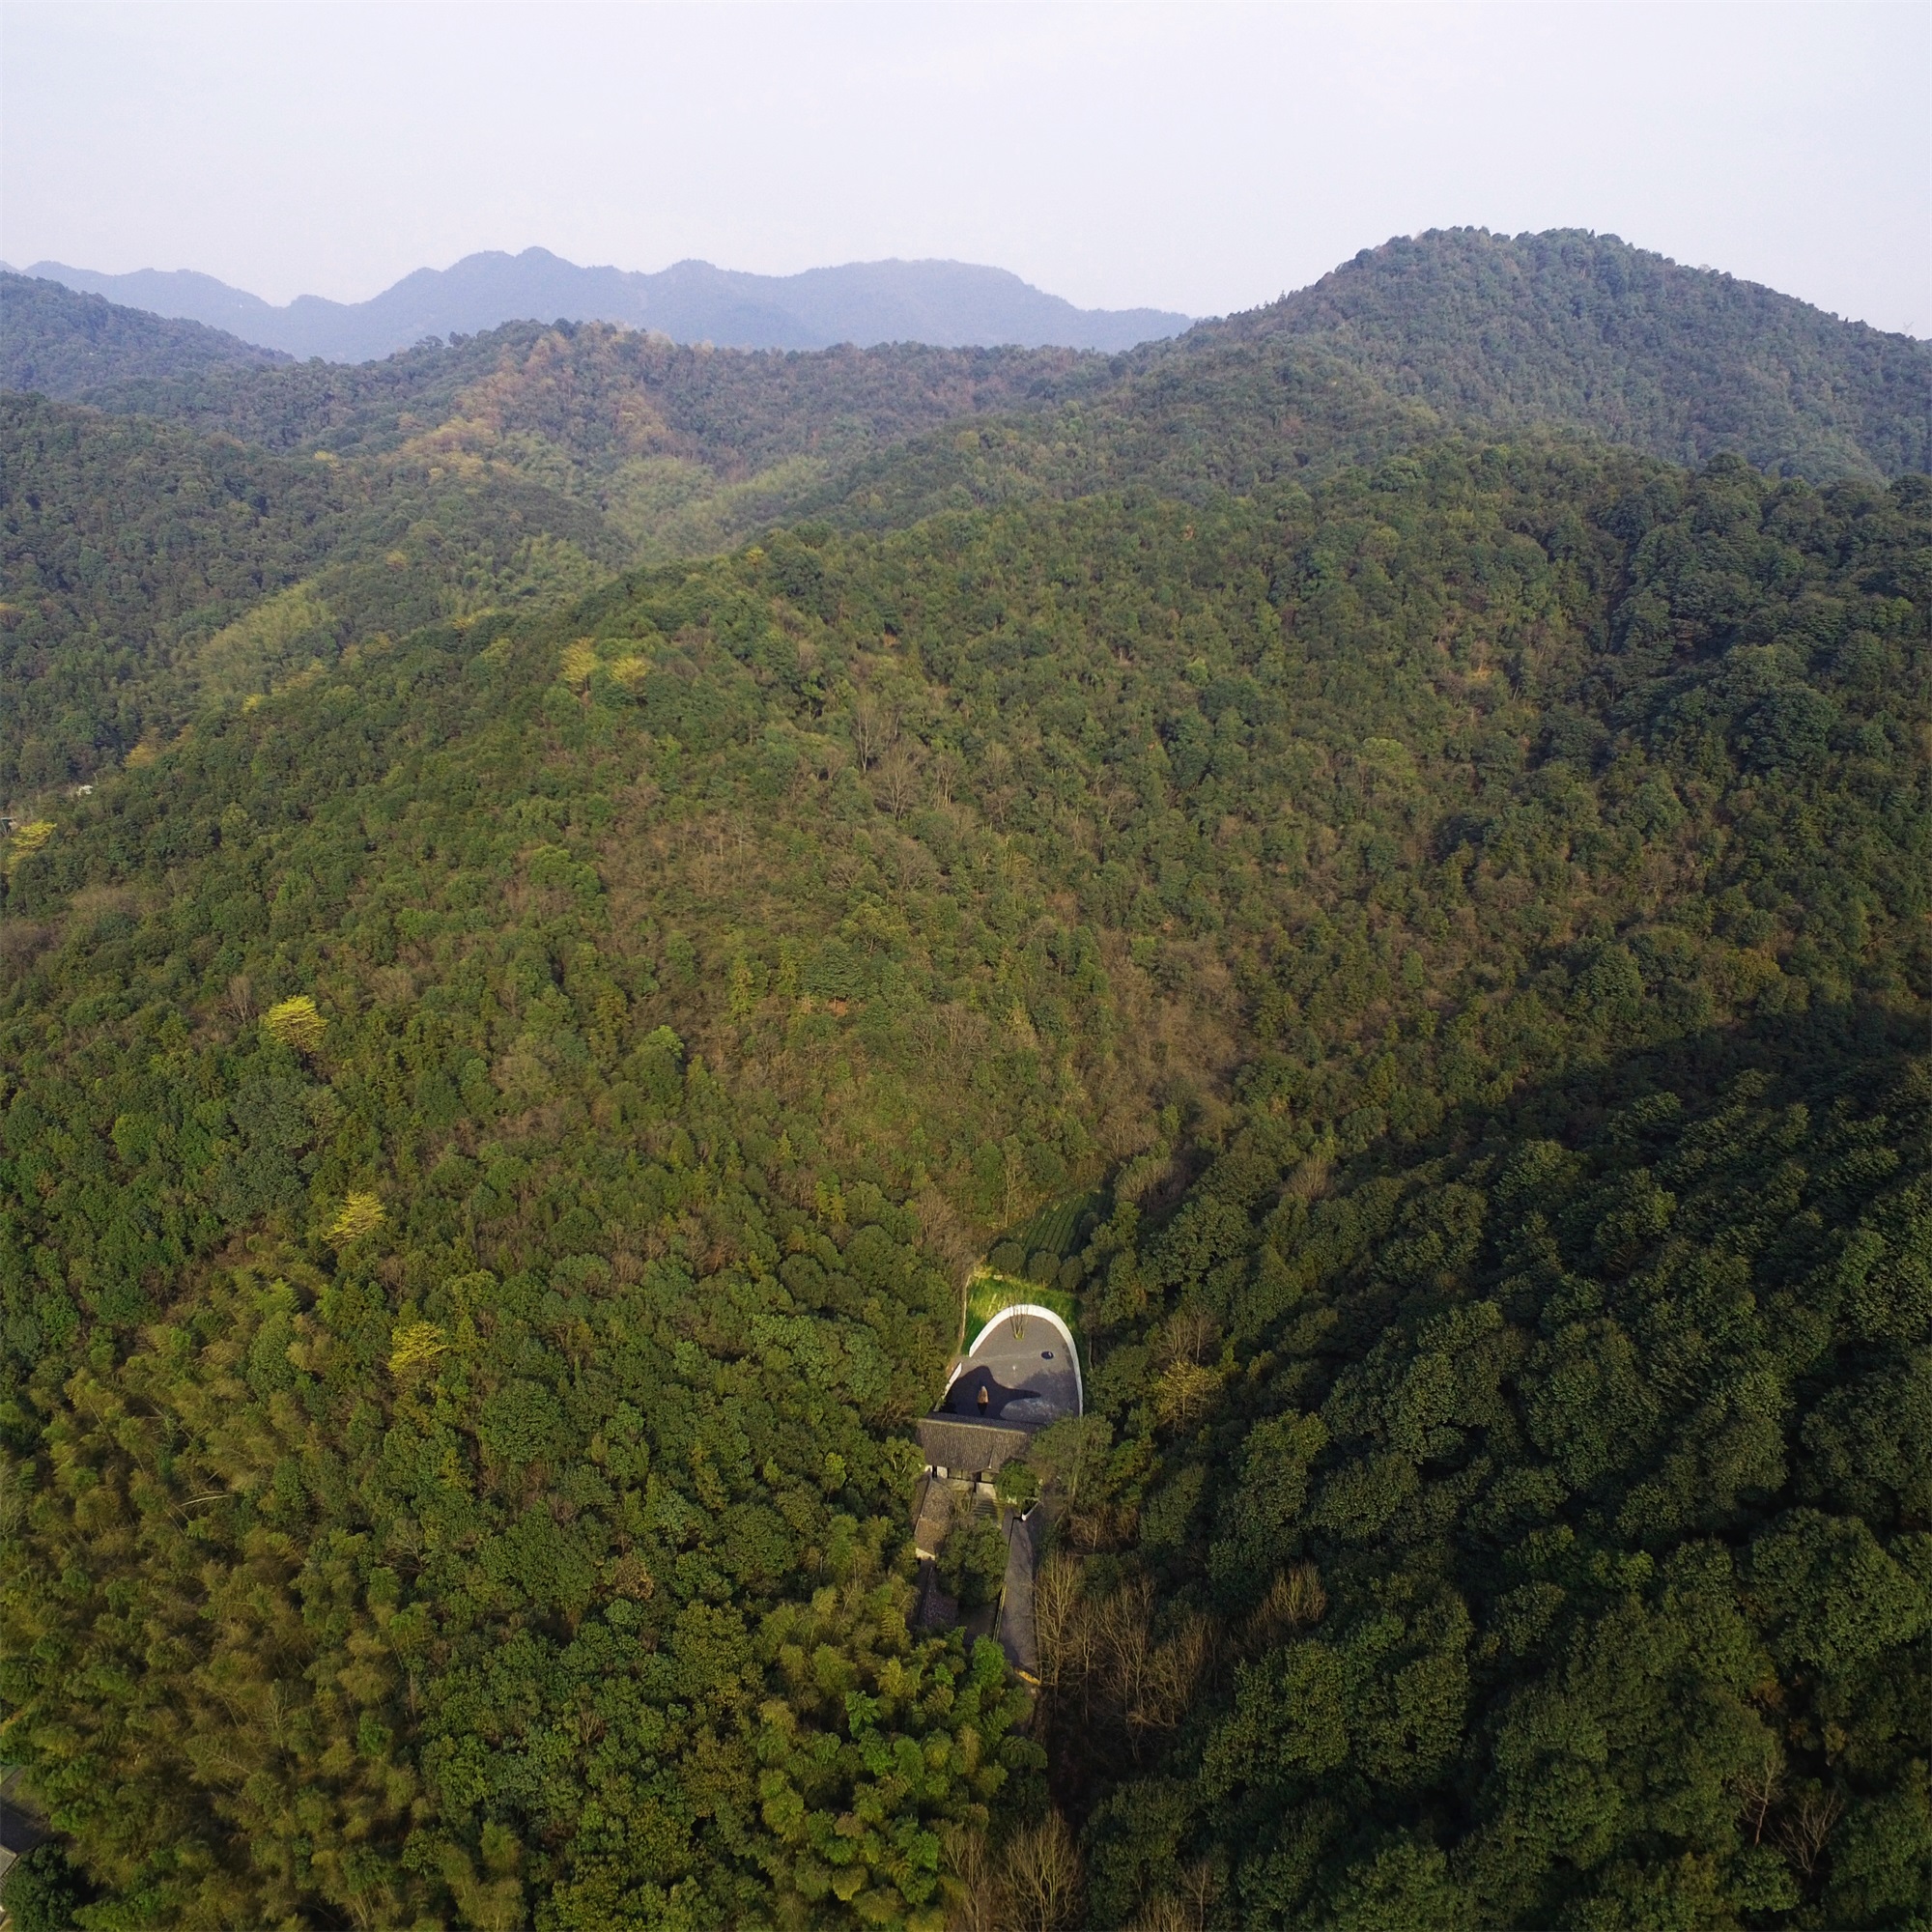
(1460, 329)
(1437, 947)
(147, 572)
(1539, 1416)
(504, 470)
(1016, 1486)
(509, 472)
(1212, 417)
(602, 393)
(59, 343)
(972, 1558)
(121, 545)
(1581, 328)
(349, 409)
(43, 1891)
(1552, 1481)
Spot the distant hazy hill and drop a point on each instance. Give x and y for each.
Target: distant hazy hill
(1581, 328)
(60, 342)
(949, 303)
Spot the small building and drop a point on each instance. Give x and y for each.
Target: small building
(970, 1450)
(1021, 1375)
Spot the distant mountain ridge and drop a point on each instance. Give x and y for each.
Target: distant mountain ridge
(951, 304)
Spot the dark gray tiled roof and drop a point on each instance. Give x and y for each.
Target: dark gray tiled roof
(953, 1442)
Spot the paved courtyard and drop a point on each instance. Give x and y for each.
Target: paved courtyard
(1026, 1370)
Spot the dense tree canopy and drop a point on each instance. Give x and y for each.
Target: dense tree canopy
(493, 1129)
(212, 534)
(511, 468)
(1581, 328)
(60, 343)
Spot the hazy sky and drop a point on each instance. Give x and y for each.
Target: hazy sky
(1200, 157)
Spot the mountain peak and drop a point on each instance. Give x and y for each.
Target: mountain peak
(955, 305)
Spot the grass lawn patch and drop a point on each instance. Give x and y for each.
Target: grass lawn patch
(989, 1291)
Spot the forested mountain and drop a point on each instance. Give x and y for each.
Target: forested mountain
(951, 304)
(145, 568)
(1561, 326)
(1575, 328)
(585, 391)
(59, 343)
(499, 1100)
(600, 446)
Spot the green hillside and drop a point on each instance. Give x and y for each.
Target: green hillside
(591, 388)
(1581, 328)
(59, 343)
(699, 978)
(1424, 938)
(502, 473)
(146, 571)
(517, 468)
